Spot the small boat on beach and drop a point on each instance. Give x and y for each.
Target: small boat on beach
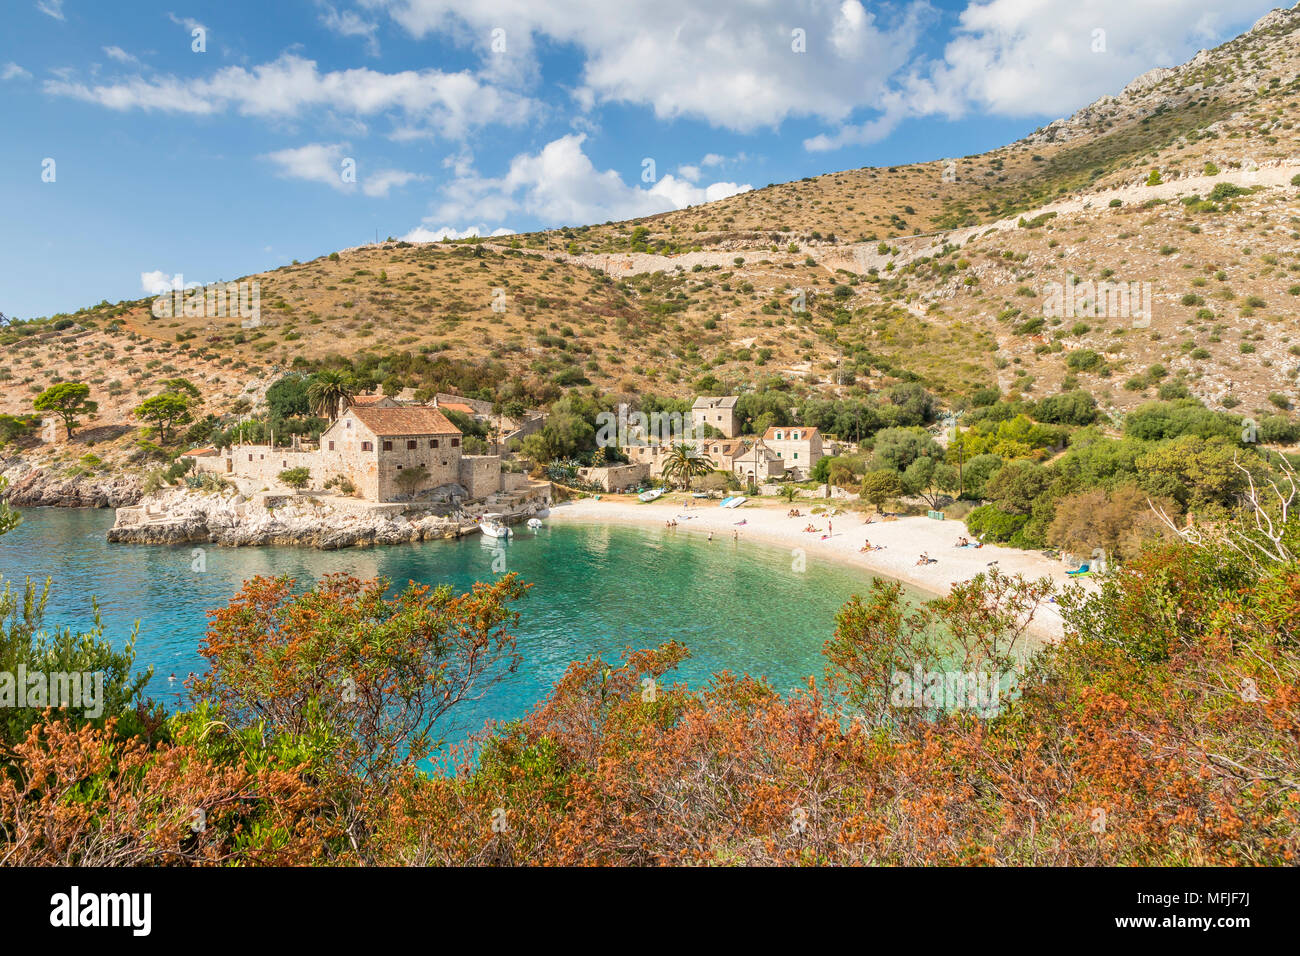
(493, 526)
(650, 495)
(735, 502)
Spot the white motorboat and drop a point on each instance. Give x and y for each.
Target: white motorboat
(493, 526)
(650, 495)
(535, 523)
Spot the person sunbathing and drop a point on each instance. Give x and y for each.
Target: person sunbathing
(926, 559)
(810, 529)
(963, 542)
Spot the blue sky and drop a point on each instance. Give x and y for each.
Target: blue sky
(303, 126)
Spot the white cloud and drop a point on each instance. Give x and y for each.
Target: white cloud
(327, 163)
(559, 184)
(1028, 58)
(117, 53)
(12, 71)
(316, 163)
(448, 103)
(350, 24)
(189, 23)
(158, 282)
(51, 8)
(381, 181)
(443, 233)
(730, 62)
(861, 134)
(693, 171)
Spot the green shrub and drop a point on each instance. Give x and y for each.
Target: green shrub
(989, 524)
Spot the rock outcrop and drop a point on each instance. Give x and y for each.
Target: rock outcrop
(33, 487)
(228, 519)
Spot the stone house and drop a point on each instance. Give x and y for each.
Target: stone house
(717, 412)
(759, 463)
(720, 453)
(799, 446)
(371, 445)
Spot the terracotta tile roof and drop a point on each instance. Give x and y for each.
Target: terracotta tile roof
(457, 407)
(364, 400)
(416, 420)
(726, 447)
(203, 452)
(805, 433)
(759, 451)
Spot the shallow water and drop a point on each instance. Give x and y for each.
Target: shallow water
(597, 590)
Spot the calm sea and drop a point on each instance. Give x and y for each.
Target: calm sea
(597, 590)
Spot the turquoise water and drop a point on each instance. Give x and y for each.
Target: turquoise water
(597, 590)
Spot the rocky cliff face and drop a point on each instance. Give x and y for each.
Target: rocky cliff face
(229, 519)
(31, 486)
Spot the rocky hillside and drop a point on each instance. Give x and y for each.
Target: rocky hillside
(848, 281)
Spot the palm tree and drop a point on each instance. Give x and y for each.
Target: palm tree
(684, 463)
(327, 393)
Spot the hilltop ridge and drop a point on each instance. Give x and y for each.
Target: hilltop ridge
(936, 272)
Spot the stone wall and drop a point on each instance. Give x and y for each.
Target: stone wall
(616, 477)
(259, 462)
(480, 475)
(442, 463)
(530, 427)
(512, 481)
(480, 407)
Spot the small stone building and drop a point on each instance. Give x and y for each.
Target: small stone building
(798, 446)
(371, 446)
(758, 464)
(717, 412)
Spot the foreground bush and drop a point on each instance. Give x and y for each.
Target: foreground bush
(1164, 729)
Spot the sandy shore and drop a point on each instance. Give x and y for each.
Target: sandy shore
(901, 541)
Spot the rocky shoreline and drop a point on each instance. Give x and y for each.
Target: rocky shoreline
(228, 519)
(31, 486)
